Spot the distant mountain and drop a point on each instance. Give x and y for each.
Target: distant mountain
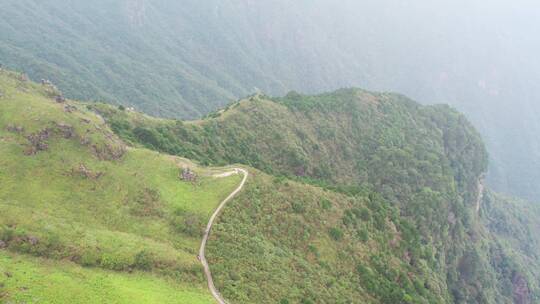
(187, 58)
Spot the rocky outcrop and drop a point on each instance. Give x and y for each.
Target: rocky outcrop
(83, 171)
(188, 175)
(37, 142)
(108, 151)
(522, 293)
(65, 130)
(60, 99)
(69, 108)
(15, 129)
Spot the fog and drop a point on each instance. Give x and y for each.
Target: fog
(479, 56)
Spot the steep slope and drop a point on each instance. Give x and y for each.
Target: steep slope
(415, 169)
(185, 59)
(72, 192)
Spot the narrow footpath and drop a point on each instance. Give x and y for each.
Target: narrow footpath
(202, 258)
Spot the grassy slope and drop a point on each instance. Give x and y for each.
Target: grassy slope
(137, 215)
(34, 280)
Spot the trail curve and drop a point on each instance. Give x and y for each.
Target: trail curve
(202, 257)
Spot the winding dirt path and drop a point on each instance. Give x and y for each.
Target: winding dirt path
(201, 256)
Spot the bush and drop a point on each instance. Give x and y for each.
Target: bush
(326, 204)
(113, 262)
(6, 234)
(144, 260)
(336, 233)
(148, 137)
(363, 235)
(90, 258)
(298, 207)
(187, 222)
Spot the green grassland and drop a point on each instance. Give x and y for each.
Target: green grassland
(35, 280)
(72, 191)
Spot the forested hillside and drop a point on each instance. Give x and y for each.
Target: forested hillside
(187, 58)
(401, 186)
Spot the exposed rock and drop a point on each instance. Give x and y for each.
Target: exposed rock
(46, 82)
(15, 129)
(66, 131)
(33, 240)
(109, 152)
(407, 256)
(86, 173)
(85, 141)
(188, 175)
(2, 244)
(38, 142)
(452, 218)
(522, 293)
(60, 99)
(300, 171)
(23, 78)
(69, 108)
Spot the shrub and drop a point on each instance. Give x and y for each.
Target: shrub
(147, 203)
(6, 234)
(113, 262)
(90, 258)
(326, 204)
(148, 137)
(187, 222)
(143, 260)
(363, 235)
(336, 233)
(298, 207)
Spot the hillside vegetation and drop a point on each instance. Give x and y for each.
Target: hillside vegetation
(72, 192)
(368, 150)
(355, 197)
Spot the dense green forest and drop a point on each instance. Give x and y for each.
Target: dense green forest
(399, 180)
